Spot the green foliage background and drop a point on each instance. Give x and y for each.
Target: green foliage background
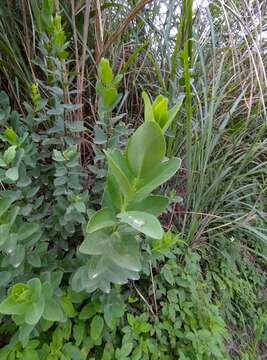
(133, 180)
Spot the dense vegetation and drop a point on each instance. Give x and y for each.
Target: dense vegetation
(133, 188)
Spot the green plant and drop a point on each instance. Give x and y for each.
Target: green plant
(190, 322)
(31, 302)
(128, 209)
(185, 279)
(109, 131)
(55, 175)
(238, 287)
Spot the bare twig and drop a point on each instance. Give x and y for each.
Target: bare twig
(99, 33)
(75, 41)
(84, 48)
(145, 300)
(153, 288)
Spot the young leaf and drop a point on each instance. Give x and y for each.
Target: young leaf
(11, 136)
(57, 156)
(145, 149)
(30, 354)
(143, 222)
(9, 154)
(105, 72)
(149, 116)
(109, 96)
(160, 110)
(126, 349)
(10, 307)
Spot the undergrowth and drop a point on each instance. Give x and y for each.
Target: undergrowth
(133, 190)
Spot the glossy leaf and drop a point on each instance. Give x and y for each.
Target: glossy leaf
(143, 222)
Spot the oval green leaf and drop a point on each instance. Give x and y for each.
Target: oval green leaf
(96, 327)
(119, 176)
(146, 149)
(101, 219)
(143, 222)
(94, 243)
(12, 174)
(154, 204)
(159, 176)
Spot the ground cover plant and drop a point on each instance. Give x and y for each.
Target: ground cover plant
(133, 180)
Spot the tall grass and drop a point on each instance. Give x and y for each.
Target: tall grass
(215, 55)
(229, 126)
